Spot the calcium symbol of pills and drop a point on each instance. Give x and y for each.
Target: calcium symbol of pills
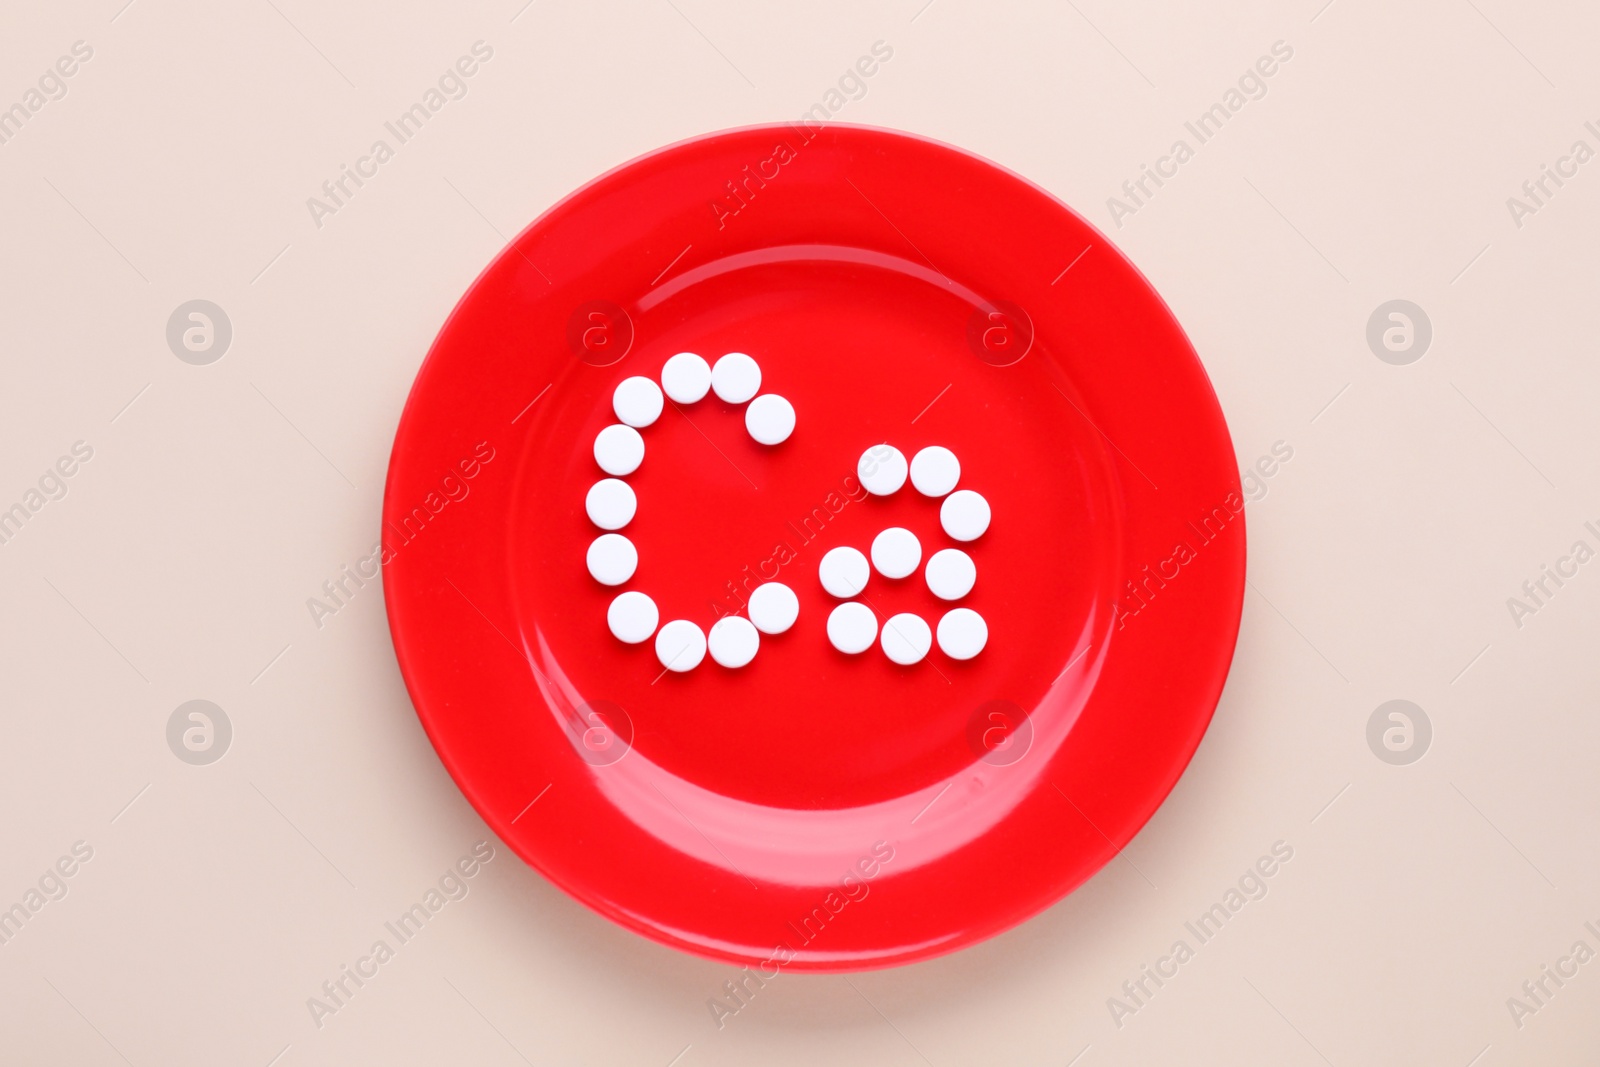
(896, 552)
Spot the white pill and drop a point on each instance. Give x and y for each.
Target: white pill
(935, 471)
(733, 641)
(619, 449)
(612, 559)
(611, 503)
(632, 617)
(896, 552)
(882, 469)
(962, 633)
(950, 574)
(770, 419)
(736, 378)
(686, 377)
(851, 627)
(964, 515)
(637, 401)
(844, 572)
(774, 607)
(680, 645)
(906, 638)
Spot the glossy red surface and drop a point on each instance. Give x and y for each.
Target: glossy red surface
(816, 810)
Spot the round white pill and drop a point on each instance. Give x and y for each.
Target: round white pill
(619, 449)
(851, 627)
(770, 419)
(950, 573)
(632, 617)
(844, 572)
(882, 469)
(612, 559)
(962, 633)
(964, 515)
(773, 607)
(736, 378)
(896, 552)
(680, 645)
(935, 471)
(686, 377)
(906, 638)
(637, 401)
(611, 503)
(733, 641)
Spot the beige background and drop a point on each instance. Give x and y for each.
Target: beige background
(220, 497)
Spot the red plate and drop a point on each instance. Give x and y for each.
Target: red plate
(816, 810)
